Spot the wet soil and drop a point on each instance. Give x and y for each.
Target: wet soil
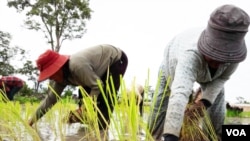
(76, 131)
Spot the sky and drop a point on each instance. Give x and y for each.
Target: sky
(142, 28)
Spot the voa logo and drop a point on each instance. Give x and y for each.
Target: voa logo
(236, 132)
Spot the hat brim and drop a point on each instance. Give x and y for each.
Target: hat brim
(52, 69)
(222, 46)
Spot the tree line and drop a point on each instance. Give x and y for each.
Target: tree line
(58, 20)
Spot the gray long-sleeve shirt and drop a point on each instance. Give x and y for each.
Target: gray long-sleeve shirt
(86, 67)
(185, 65)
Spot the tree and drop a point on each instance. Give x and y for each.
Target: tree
(31, 72)
(241, 100)
(8, 54)
(59, 20)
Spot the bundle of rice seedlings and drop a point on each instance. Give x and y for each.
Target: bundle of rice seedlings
(196, 127)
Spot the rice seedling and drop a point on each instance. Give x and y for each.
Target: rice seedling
(13, 125)
(125, 123)
(128, 110)
(197, 128)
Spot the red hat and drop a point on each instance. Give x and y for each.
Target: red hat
(49, 63)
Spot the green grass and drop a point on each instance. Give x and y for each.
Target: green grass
(243, 114)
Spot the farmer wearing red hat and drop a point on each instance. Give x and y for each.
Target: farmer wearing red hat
(83, 68)
(208, 57)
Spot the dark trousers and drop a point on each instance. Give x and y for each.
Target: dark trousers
(116, 70)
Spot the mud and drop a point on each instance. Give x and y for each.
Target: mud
(76, 131)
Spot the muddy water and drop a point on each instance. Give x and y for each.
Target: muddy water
(75, 132)
(72, 132)
(237, 120)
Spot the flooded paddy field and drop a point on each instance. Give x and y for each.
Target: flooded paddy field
(51, 127)
(76, 132)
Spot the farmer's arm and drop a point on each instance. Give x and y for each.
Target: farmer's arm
(213, 89)
(187, 68)
(48, 102)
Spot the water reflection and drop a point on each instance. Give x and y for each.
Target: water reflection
(71, 132)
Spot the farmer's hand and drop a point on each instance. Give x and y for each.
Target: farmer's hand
(30, 122)
(169, 137)
(196, 110)
(75, 116)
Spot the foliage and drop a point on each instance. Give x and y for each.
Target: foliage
(25, 91)
(59, 20)
(8, 53)
(67, 93)
(27, 99)
(30, 71)
(241, 100)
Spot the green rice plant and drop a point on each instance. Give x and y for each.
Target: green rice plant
(166, 93)
(12, 125)
(125, 118)
(89, 116)
(3, 96)
(125, 123)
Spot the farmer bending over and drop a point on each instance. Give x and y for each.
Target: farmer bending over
(83, 68)
(10, 85)
(208, 57)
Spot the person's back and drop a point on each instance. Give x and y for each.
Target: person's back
(208, 57)
(183, 42)
(10, 85)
